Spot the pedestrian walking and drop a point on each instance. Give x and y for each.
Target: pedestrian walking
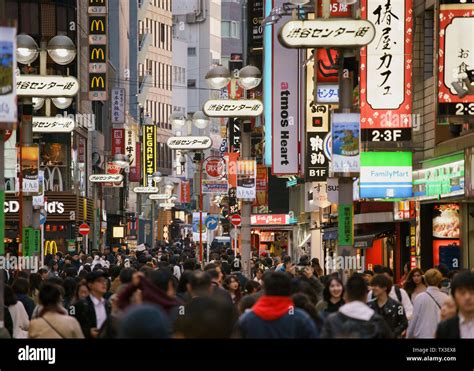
(232, 285)
(18, 314)
(53, 321)
(274, 315)
(391, 311)
(355, 319)
(333, 297)
(414, 283)
(427, 307)
(460, 326)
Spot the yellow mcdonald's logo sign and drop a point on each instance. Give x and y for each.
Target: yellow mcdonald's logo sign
(97, 81)
(97, 25)
(50, 247)
(97, 54)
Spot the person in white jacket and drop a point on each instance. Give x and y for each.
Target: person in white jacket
(427, 308)
(18, 314)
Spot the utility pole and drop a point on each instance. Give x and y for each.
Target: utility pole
(246, 247)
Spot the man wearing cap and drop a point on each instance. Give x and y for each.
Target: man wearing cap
(93, 311)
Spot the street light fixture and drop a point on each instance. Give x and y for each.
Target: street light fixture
(62, 102)
(200, 120)
(38, 103)
(218, 77)
(121, 160)
(156, 177)
(299, 2)
(249, 77)
(61, 49)
(177, 120)
(26, 49)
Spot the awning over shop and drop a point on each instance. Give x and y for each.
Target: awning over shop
(364, 241)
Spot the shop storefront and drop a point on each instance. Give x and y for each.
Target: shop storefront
(272, 234)
(439, 188)
(64, 213)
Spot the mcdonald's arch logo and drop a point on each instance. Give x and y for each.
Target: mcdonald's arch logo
(97, 82)
(50, 247)
(97, 25)
(97, 54)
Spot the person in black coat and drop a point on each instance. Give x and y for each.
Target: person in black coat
(460, 326)
(93, 311)
(391, 310)
(21, 288)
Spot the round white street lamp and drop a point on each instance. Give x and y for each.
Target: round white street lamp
(249, 77)
(62, 102)
(218, 77)
(157, 177)
(121, 160)
(26, 49)
(177, 120)
(38, 103)
(200, 120)
(61, 49)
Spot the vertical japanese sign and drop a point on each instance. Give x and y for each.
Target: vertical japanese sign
(185, 192)
(246, 179)
(345, 142)
(131, 146)
(135, 171)
(149, 153)
(118, 106)
(455, 57)
(345, 226)
(255, 28)
(285, 103)
(118, 141)
(8, 107)
(386, 72)
(97, 28)
(318, 142)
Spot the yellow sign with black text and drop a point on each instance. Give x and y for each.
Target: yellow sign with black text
(149, 153)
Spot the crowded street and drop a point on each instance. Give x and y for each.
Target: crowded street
(234, 170)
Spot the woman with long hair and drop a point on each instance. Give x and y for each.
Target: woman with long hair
(415, 283)
(333, 297)
(19, 316)
(232, 285)
(53, 321)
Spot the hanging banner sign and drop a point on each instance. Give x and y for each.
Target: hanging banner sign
(118, 141)
(130, 146)
(345, 214)
(118, 106)
(8, 106)
(46, 86)
(386, 90)
(185, 192)
(286, 98)
(233, 108)
(246, 175)
(189, 143)
(59, 124)
(149, 153)
(319, 33)
(455, 58)
(345, 142)
(98, 29)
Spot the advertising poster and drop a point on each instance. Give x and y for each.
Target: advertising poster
(446, 235)
(345, 142)
(246, 179)
(386, 72)
(8, 107)
(215, 186)
(11, 162)
(261, 186)
(118, 141)
(196, 222)
(386, 175)
(455, 58)
(30, 168)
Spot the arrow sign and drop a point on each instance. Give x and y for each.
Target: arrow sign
(43, 216)
(211, 222)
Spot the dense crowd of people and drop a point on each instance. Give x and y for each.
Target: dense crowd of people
(163, 293)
